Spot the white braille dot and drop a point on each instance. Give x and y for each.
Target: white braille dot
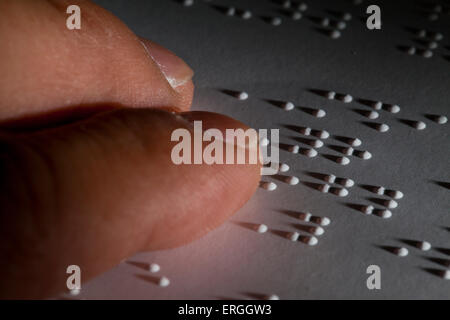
(321, 134)
(310, 153)
(316, 144)
(164, 282)
(401, 252)
(372, 115)
(384, 213)
(273, 297)
(437, 8)
(275, 21)
(367, 209)
(377, 105)
(438, 36)
(330, 178)
(422, 33)
(286, 4)
(324, 188)
(288, 106)
(293, 236)
(310, 241)
(382, 127)
(341, 192)
(317, 231)
(335, 34)
(379, 190)
(427, 53)
(354, 142)
(432, 45)
(292, 180)
(154, 267)
(348, 183)
(319, 113)
(302, 6)
(323, 221)
(391, 204)
(394, 194)
(262, 228)
(269, 186)
(305, 131)
(296, 15)
(341, 25)
(439, 119)
(419, 125)
(188, 3)
(325, 22)
(264, 142)
(343, 160)
(424, 245)
(242, 95)
(445, 274)
(306, 216)
(331, 95)
(246, 14)
(411, 51)
(75, 292)
(294, 149)
(231, 11)
(346, 16)
(284, 167)
(366, 155)
(347, 98)
(433, 16)
(393, 108)
(348, 151)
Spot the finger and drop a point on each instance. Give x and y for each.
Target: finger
(94, 193)
(50, 68)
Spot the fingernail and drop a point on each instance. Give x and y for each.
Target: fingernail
(176, 71)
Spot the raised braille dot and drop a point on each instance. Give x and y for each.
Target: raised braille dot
(341, 192)
(422, 33)
(346, 16)
(393, 108)
(341, 25)
(382, 127)
(302, 6)
(305, 216)
(445, 274)
(348, 183)
(269, 186)
(424, 245)
(391, 204)
(296, 15)
(437, 8)
(246, 14)
(335, 34)
(293, 236)
(372, 115)
(343, 160)
(432, 45)
(264, 142)
(75, 292)
(188, 3)
(284, 167)
(331, 95)
(262, 228)
(321, 134)
(367, 209)
(379, 190)
(310, 153)
(310, 241)
(347, 98)
(292, 180)
(394, 194)
(377, 105)
(272, 297)
(294, 149)
(438, 36)
(316, 143)
(319, 113)
(366, 155)
(401, 252)
(305, 131)
(348, 151)
(384, 213)
(323, 221)
(411, 51)
(241, 95)
(433, 16)
(275, 21)
(354, 142)
(286, 4)
(427, 53)
(324, 188)
(330, 178)
(419, 125)
(317, 231)
(164, 282)
(325, 22)
(439, 119)
(231, 11)
(154, 267)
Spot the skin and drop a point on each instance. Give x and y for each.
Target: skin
(86, 118)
